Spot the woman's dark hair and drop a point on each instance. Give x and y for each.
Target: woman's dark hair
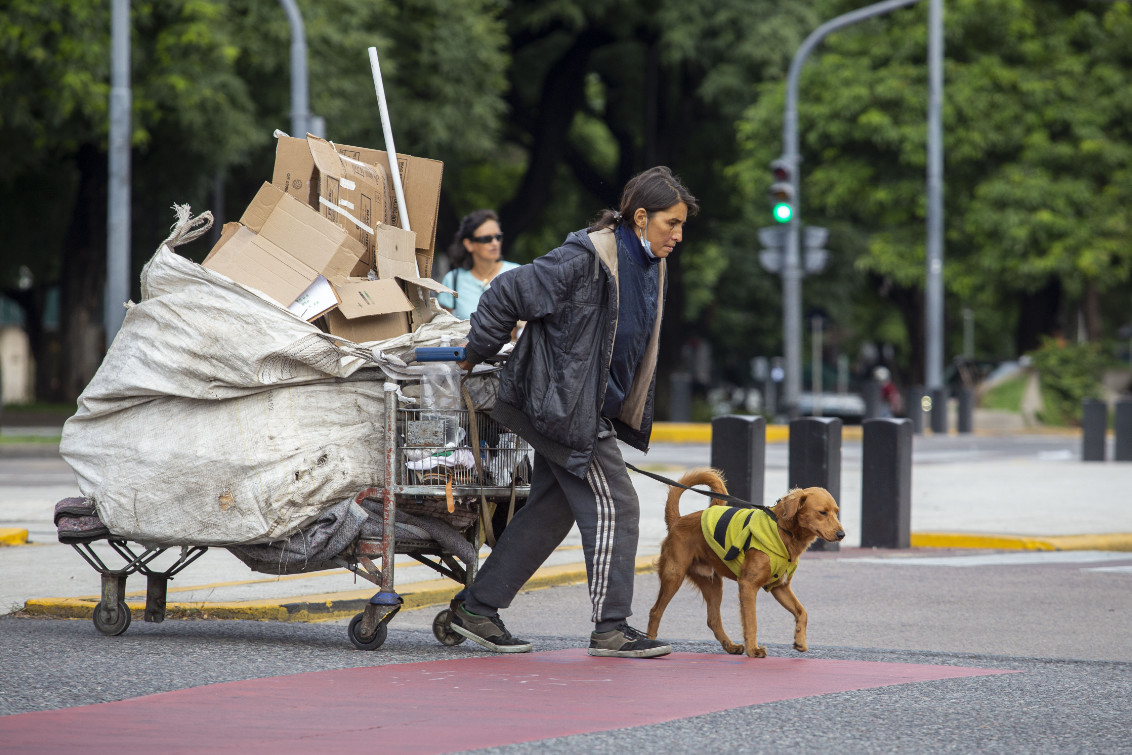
(457, 254)
(655, 189)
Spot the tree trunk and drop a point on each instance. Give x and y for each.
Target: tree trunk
(82, 279)
(562, 95)
(910, 303)
(1038, 315)
(1091, 310)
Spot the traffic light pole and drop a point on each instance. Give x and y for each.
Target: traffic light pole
(792, 267)
(933, 285)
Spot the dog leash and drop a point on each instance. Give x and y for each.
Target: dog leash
(721, 496)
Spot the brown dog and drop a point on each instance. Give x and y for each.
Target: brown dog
(803, 516)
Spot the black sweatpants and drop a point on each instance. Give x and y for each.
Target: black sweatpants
(604, 505)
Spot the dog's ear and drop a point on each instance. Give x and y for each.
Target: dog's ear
(787, 506)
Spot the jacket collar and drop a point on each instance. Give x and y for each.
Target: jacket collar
(604, 242)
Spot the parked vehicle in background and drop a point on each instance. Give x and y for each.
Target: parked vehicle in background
(848, 407)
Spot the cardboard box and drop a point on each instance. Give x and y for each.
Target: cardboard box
(350, 193)
(397, 259)
(370, 311)
(421, 178)
(281, 248)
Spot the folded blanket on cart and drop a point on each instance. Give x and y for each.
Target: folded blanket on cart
(76, 520)
(316, 546)
(313, 548)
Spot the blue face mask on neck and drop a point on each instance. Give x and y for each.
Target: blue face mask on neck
(645, 242)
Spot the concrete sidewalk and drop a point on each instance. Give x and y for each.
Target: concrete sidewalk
(1038, 497)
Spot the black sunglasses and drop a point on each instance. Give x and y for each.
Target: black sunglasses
(487, 239)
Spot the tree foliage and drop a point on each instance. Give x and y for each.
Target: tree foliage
(210, 82)
(544, 108)
(1070, 373)
(1037, 158)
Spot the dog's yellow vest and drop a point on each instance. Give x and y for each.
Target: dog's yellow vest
(731, 531)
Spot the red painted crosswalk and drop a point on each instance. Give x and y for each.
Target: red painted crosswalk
(440, 706)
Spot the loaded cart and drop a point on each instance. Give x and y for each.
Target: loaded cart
(436, 506)
(220, 419)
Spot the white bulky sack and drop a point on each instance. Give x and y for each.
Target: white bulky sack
(219, 418)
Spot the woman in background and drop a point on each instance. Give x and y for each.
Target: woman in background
(477, 257)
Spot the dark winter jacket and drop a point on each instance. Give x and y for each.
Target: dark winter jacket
(553, 386)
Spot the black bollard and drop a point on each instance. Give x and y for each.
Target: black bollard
(815, 460)
(680, 397)
(738, 449)
(939, 410)
(1094, 424)
(1123, 429)
(870, 391)
(886, 483)
(914, 407)
(966, 418)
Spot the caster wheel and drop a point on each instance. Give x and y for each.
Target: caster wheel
(442, 628)
(107, 623)
(366, 643)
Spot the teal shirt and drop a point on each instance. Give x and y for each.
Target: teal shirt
(469, 288)
(731, 531)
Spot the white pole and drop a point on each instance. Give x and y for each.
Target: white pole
(117, 289)
(388, 131)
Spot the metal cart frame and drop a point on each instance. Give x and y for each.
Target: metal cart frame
(368, 629)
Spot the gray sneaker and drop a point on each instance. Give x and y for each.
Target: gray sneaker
(486, 631)
(625, 642)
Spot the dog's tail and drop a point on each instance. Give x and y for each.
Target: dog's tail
(713, 478)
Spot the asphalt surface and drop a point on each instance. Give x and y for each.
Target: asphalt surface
(1060, 625)
(1056, 619)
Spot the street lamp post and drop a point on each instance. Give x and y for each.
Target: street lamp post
(792, 268)
(300, 92)
(117, 289)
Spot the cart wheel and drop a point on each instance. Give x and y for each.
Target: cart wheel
(102, 619)
(367, 643)
(442, 628)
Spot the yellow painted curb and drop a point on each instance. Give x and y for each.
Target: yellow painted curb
(681, 432)
(11, 536)
(323, 607)
(700, 432)
(1113, 542)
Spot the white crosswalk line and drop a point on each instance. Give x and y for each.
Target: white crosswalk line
(1002, 559)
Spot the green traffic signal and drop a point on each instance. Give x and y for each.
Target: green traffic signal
(783, 212)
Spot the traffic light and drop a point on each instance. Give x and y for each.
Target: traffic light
(782, 191)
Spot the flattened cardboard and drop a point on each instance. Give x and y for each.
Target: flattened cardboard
(247, 258)
(350, 193)
(396, 254)
(421, 179)
(293, 226)
(281, 248)
(397, 259)
(294, 170)
(370, 311)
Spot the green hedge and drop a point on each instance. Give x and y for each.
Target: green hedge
(1069, 374)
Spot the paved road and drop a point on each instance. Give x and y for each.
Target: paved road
(907, 647)
(1057, 626)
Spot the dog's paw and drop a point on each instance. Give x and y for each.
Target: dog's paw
(733, 649)
(801, 647)
(757, 652)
